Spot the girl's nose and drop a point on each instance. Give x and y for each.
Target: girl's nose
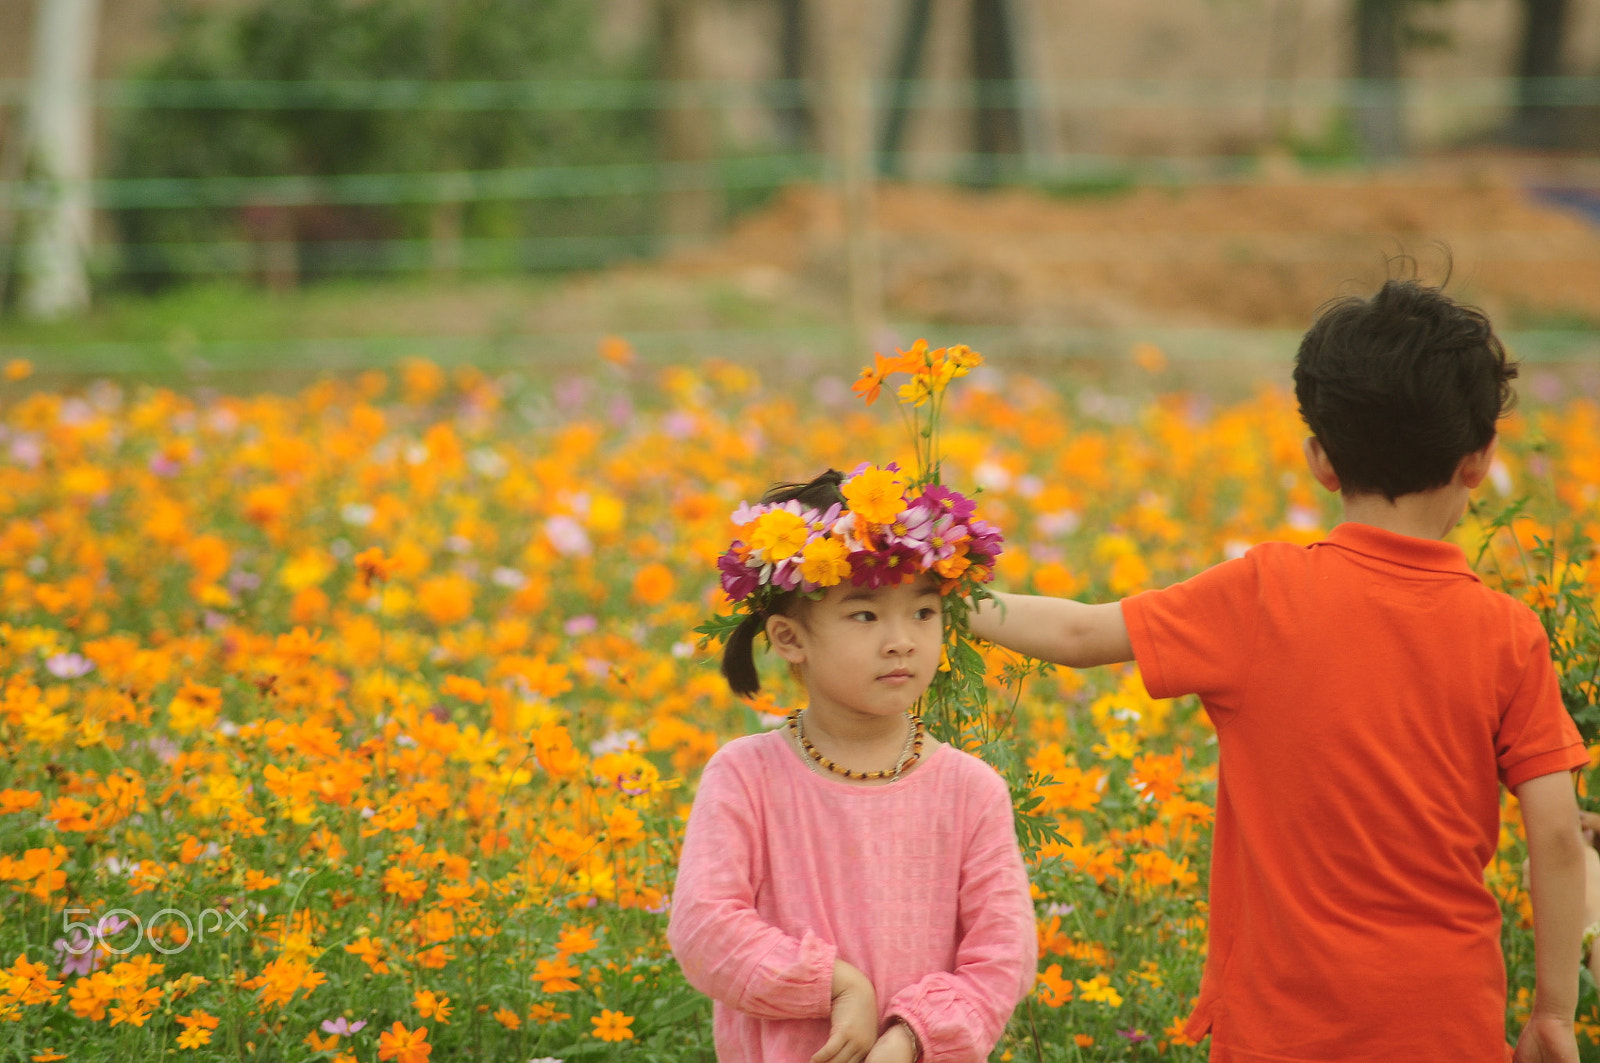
(897, 638)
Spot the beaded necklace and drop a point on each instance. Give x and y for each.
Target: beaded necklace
(910, 753)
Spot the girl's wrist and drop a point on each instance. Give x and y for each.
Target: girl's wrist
(916, 1043)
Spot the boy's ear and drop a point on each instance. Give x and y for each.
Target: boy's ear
(786, 636)
(1474, 468)
(1321, 468)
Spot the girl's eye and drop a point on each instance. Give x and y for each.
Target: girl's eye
(927, 613)
(864, 615)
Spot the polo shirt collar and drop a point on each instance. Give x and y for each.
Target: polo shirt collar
(1434, 555)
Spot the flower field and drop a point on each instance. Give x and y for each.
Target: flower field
(361, 723)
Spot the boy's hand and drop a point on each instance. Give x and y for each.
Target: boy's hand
(895, 1046)
(854, 1017)
(1546, 1039)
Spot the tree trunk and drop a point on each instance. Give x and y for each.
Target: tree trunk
(60, 126)
(795, 122)
(1538, 122)
(996, 128)
(908, 64)
(692, 208)
(1379, 112)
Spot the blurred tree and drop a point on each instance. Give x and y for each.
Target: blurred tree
(1385, 30)
(996, 121)
(1379, 29)
(322, 45)
(55, 276)
(796, 123)
(997, 130)
(1537, 122)
(688, 129)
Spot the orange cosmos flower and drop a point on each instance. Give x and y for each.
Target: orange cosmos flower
(612, 1025)
(544, 1012)
(374, 566)
(653, 584)
(1054, 989)
(18, 800)
(371, 951)
(555, 976)
(403, 1045)
(616, 350)
(404, 884)
(575, 940)
(445, 600)
(431, 1006)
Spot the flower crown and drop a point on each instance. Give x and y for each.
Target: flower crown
(888, 531)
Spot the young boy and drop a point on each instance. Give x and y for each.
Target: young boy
(1369, 695)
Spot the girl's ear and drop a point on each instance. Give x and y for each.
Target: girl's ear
(787, 638)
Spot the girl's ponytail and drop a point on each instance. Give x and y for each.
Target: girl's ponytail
(738, 653)
(738, 656)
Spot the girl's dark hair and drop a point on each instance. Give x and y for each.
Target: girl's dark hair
(738, 654)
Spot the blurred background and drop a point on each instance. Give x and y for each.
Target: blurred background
(1127, 189)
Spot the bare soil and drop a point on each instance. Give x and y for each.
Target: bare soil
(1263, 254)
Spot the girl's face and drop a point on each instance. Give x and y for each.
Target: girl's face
(865, 652)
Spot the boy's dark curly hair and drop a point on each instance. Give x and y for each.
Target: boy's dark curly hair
(1399, 387)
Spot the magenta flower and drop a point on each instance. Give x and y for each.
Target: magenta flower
(954, 503)
(738, 580)
(342, 1025)
(986, 539)
(883, 568)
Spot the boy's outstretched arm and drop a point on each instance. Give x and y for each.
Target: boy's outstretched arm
(1057, 630)
(1556, 883)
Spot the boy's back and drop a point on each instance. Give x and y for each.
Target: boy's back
(1370, 695)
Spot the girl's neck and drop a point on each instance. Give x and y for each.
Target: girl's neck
(852, 730)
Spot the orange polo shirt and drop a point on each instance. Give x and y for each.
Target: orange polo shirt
(1370, 696)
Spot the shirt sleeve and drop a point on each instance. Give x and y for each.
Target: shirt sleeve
(958, 1015)
(1537, 736)
(724, 946)
(1196, 637)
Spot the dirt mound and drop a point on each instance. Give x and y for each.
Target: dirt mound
(1263, 254)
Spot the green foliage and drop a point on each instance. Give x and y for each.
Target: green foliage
(1561, 596)
(321, 44)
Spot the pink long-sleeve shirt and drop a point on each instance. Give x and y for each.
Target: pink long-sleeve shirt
(918, 883)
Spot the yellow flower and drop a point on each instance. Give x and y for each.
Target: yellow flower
(1098, 990)
(825, 562)
(1117, 744)
(876, 495)
(777, 535)
(194, 1037)
(612, 1025)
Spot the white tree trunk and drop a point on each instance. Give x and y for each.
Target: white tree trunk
(60, 126)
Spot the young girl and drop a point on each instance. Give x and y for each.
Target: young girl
(849, 888)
